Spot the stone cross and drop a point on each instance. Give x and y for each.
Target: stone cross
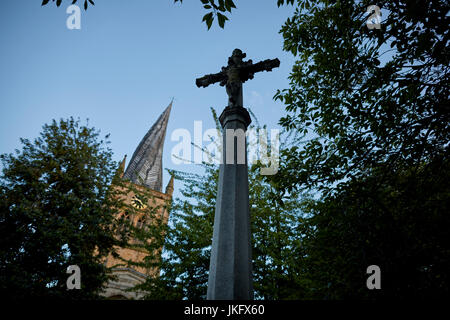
(235, 74)
(230, 270)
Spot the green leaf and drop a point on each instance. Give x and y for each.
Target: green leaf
(208, 18)
(221, 6)
(221, 19)
(228, 4)
(209, 22)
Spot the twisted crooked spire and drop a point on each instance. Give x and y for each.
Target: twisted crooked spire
(145, 167)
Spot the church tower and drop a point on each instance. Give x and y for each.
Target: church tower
(144, 174)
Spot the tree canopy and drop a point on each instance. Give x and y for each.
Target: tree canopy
(372, 106)
(365, 98)
(57, 209)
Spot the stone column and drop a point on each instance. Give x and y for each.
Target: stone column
(230, 271)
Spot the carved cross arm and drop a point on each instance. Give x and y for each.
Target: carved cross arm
(210, 79)
(248, 71)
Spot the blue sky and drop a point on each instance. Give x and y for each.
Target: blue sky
(123, 67)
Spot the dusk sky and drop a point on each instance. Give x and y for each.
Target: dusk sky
(123, 67)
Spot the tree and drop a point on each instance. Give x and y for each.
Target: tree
(57, 209)
(401, 227)
(367, 98)
(372, 106)
(276, 219)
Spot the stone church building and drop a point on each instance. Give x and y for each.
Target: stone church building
(144, 172)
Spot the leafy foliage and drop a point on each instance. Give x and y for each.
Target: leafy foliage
(400, 226)
(365, 97)
(56, 210)
(372, 106)
(58, 2)
(219, 8)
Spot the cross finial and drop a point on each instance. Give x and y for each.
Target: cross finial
(235, 73)
(236, 58)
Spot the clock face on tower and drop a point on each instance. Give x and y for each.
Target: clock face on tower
(138, 203)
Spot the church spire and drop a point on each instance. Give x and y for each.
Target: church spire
(169, 188)
(122, 166)
(145, 167)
